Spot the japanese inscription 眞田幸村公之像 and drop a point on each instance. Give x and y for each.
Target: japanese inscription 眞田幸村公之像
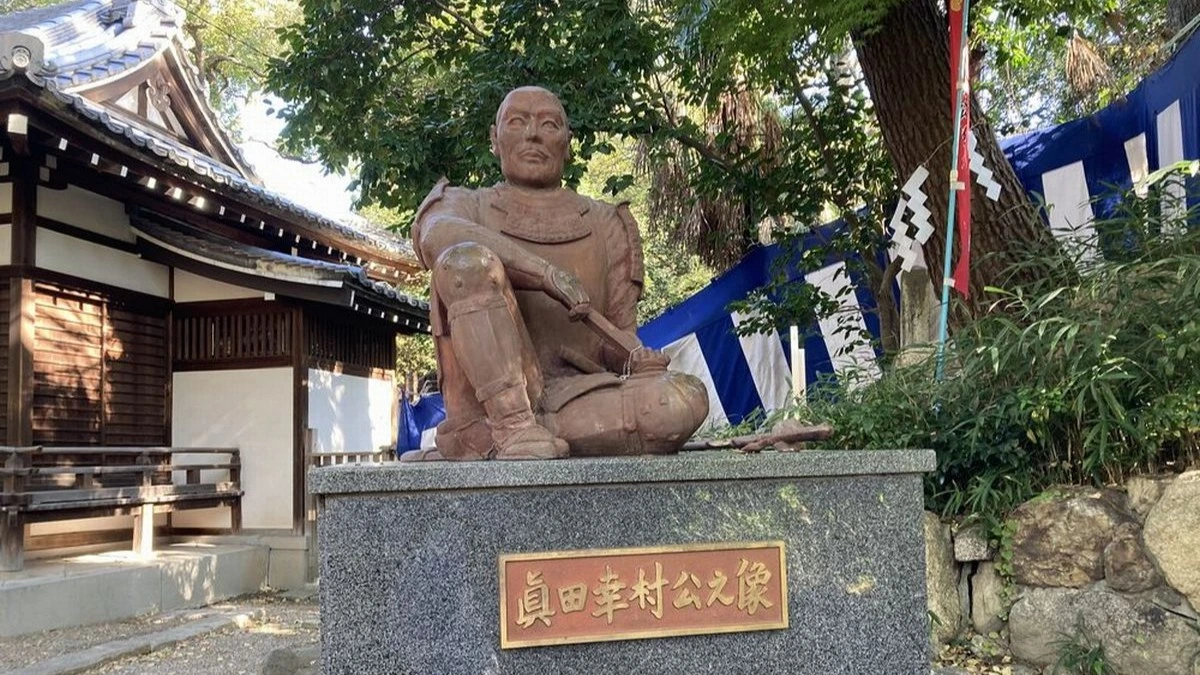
(620, 594)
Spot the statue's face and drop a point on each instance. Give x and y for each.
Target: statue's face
(531, 138)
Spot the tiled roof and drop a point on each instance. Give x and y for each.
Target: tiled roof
(256, 261)
(202, 165)
(86, 41)
(91, 40)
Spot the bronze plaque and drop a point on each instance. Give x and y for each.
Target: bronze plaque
(600, 595)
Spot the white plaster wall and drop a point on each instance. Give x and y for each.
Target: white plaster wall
(63, 253)
(194, 288)
(5, 197)
(250, 410)
(350, 413)
(5, 244)
(84, 209)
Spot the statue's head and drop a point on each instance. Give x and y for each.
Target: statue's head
(531, 138)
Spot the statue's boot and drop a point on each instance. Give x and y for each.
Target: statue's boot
(488, 343)
(517, 434)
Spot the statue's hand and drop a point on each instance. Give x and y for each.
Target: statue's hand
(648, 360)
(567, 289)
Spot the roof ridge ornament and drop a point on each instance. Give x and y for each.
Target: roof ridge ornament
(24, 53)
(129, 13)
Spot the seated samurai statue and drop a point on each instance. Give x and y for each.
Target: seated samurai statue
(534, 299)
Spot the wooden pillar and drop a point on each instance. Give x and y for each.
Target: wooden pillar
(143, 531)
(143, 516)
(21, 301)
(12, 520)
(299, 418)
(12, 539)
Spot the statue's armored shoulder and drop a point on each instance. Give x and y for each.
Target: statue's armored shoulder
(442, 198)
(629, 229)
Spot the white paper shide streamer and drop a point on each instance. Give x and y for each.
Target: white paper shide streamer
(904, 246)
(982, 173)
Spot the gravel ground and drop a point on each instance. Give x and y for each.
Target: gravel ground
(274, 622)
(26, 650)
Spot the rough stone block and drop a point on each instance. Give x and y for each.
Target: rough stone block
(1144, 492)
(987, 603)
(941, 581)
(1138, 637)
(971, 544)
(409, 553)
(1126, 566)
(1172, 535)
(1059, 541)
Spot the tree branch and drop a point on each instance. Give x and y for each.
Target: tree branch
(454, 14)
(285, 155)
(215, 61)
(675, 132)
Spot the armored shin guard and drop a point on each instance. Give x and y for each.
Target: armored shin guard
(486, 341)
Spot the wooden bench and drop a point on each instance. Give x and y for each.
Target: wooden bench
(40, 484)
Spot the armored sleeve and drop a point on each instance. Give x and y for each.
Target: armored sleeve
(626, 276)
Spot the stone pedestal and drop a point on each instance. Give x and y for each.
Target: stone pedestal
(409, 558)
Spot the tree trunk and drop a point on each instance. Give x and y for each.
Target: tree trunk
(1179, 13)
(906, 64)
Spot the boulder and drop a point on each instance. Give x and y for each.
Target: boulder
(1126, 566)
(1038, 620)
(941, 581)
(1059, 541)
(1144, 492)
(1139, 638)
(987, 604)
(294, 661)
(1172, 535)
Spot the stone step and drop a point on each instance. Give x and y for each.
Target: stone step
(90, 589)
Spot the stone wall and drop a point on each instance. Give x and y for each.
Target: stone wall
(1115, 568)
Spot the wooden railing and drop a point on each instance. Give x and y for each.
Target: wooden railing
(361, 457)
(61, 483)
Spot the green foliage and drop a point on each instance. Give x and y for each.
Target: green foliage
(1026, 80)
(672, 273)
(1079, 654)
(409, 90)
(414, 357)
(1087, 377)
(232, 43)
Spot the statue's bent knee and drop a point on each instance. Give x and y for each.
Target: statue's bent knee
(646, 414)
(466, 270)
(670, 409)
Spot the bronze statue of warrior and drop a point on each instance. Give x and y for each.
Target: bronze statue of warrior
(535, 292)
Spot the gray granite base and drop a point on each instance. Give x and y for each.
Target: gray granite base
(408, 558)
